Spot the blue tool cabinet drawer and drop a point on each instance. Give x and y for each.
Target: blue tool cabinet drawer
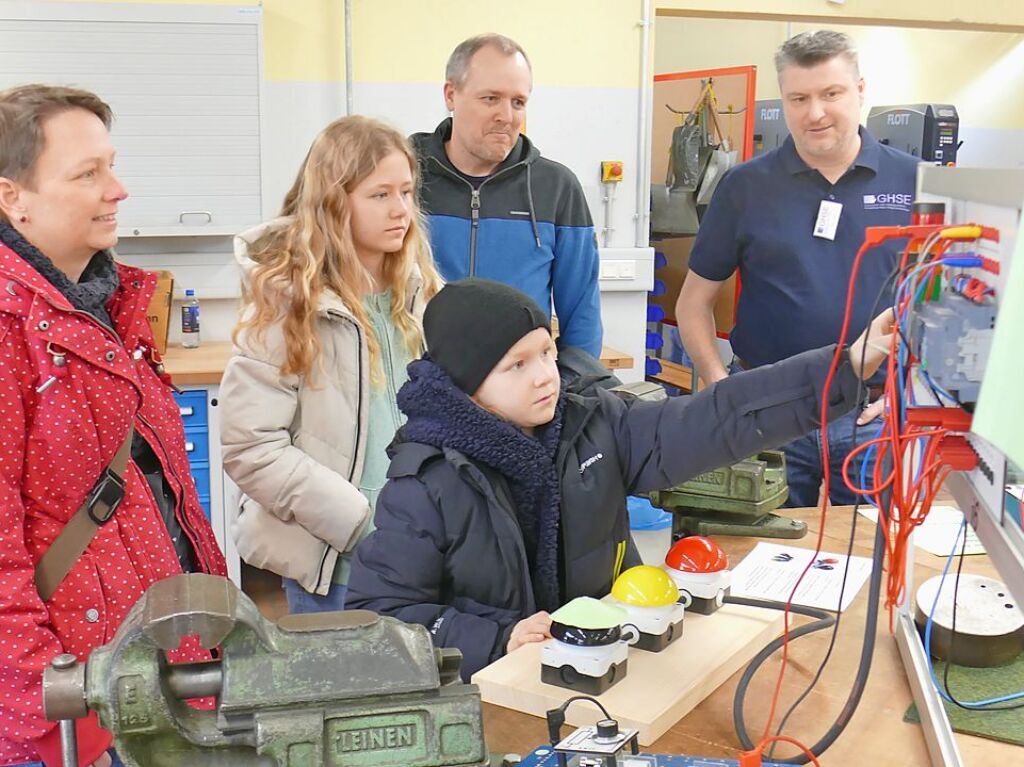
(201, 476)
(204, 501)
(197, 445)
(192, 406)
(194, 416)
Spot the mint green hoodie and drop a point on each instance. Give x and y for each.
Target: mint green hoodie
(385, 418)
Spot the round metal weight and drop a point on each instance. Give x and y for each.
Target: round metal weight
(989, 622)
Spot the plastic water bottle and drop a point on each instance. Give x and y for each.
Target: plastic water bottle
(190, 320)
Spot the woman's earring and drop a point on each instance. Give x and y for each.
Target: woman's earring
(23, 219)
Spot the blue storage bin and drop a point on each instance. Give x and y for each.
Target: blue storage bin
(676, 351)
(204, 501)
(645, 516)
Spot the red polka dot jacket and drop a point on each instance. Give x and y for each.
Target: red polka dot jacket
(69, 389)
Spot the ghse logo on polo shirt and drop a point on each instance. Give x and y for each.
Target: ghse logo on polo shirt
(888, 201)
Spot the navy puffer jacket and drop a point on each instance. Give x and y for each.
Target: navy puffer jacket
(448, 552)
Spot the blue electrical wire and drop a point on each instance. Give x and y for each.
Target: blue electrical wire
(979, 704)
(933, 385)
(869, 454)
(902, 357)
(869, 459)
(967, 260)
(903, 318)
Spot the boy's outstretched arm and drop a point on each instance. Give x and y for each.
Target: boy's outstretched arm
(667, 443)
(398, 570)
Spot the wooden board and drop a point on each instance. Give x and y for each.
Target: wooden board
(674, 374)
(203, 365)
(611, 358)
(614, 359)
(659, 688)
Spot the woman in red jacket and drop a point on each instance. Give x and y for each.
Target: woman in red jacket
(77, 371)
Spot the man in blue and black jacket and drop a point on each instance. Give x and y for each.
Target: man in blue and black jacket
(496, 208)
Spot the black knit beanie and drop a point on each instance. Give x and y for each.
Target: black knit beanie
(471, 324)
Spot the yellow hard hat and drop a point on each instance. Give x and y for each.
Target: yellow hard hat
(645, 586)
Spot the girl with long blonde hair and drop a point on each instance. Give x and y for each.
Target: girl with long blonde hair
(332, 302)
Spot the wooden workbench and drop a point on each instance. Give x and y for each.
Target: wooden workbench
(877, 735)
(205, 365)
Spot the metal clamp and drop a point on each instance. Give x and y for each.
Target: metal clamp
(106, 496)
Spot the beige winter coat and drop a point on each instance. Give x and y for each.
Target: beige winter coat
(296, 450)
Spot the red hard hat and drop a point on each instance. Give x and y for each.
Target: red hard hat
(696, 554)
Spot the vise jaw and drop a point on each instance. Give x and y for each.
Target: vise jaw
(317, 690)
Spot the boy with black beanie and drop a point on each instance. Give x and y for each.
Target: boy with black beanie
(506, 497)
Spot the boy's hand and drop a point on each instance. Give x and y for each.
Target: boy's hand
(873, 344)
(871, 412)
(536, 628)
(103, 761)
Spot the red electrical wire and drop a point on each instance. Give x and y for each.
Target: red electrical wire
(753, 757)
(833, 367)
(892, 438)
(909, 501)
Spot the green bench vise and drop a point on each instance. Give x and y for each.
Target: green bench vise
(733, 500)
(325, 689)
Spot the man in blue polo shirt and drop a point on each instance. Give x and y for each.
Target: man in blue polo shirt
(791, 221)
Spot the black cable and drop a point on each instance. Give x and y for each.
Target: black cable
(556, 716)
(952, 642)
(867, 649)
(825, 617)
(595, 701)
(863, 669)
(853, 533)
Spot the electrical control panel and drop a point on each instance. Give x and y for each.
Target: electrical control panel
(952, 335)
(951, 339)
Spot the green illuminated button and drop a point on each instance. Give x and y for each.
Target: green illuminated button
(589, 613)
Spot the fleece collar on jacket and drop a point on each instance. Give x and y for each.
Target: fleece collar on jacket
(440, 414)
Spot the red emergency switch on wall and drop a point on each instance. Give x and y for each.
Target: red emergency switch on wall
(611, 170)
